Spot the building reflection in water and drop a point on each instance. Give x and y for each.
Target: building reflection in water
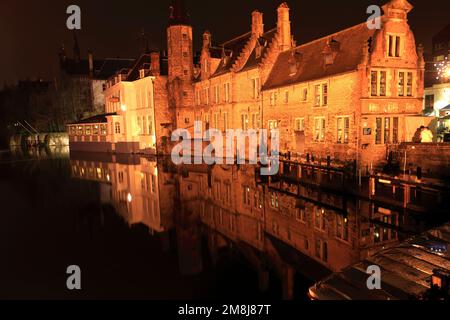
(306, 221)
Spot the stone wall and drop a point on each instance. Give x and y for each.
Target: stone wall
(433, 158)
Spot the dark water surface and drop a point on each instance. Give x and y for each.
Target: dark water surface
(145, 229)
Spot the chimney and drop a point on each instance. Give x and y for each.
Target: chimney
(154, 63)
(91, 63)
(257, 23)
(284, 27)
(206, 39)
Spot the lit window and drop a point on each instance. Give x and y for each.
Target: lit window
(273, 98)
(319, 129)
(343, 127)
(225, 121)
(227, 95)
(321, 95)
(273, 124)
(394, 46)
(405, 82)
(117, 127)
(305, 94)
(216, 94)
(255, 88)
(378, 132)
(378, 83)
(244, 121)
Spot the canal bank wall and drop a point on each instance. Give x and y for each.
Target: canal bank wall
(433, 159)
(54, 139)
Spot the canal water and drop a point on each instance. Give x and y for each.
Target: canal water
(142, 228)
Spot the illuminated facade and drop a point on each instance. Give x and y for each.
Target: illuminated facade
(348, 96)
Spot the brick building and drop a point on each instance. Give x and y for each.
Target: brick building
(350, 95)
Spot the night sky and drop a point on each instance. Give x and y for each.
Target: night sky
(32, 30)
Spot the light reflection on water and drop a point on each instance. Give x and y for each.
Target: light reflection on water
(144, 228)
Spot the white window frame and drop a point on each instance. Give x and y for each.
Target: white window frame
(299, 124)
(320, 129)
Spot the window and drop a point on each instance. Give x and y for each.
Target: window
(319, 218)
(139, 125)
(103, 129)
(299, 124)
(150, 125)
(387, 130)
(343, 127)
(286, 97)
(225, 121)
(395, 130)
(274, 200)
(216, 121)
(378, 125)
(405, 81)
(273, 124)
(305, 94)
(255, 88)
(301, 215)
(244, 121)
(144, 125)
(255, 121)
(117, 127)
(197, 98)
(319, 129)
(227, 93)
(378, 83)
(273, 98)
(141, 73)
(409, 84)
(394, 46)
(321, 95)
(206, 96)
(429, 101)
(73, 130)
(216, 94)
(342, 227)
(88, 130)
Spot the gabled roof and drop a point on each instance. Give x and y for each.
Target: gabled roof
(232, 50)
(310, 58)
(264, 41)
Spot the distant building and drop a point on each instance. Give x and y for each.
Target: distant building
(437, 91)
(82, 80)
(350, 96)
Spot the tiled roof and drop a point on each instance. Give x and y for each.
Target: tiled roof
(144, 62)
(103, 68)
(310, 58)
(101, 118)
(111, 66)
(139, 64)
